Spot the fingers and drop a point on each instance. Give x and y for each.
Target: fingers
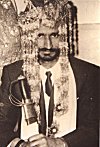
(35, 137)
(38, 140)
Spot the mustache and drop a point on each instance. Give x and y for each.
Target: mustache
(54, 51)
(46, 49)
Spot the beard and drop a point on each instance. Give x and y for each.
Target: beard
(45, 54)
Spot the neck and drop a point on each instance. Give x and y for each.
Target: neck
(48, 64)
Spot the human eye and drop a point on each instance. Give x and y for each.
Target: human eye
(40, 35)
(54, 35)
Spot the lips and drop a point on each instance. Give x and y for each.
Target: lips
(45, 54)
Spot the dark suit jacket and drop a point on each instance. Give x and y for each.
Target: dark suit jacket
(87, 83)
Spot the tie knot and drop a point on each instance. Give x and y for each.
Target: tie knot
(48, 74)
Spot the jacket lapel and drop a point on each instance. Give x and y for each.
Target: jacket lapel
(79, 73)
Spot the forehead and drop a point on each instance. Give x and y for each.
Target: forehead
(47, 30)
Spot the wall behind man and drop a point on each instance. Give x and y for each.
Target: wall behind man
(89, 28)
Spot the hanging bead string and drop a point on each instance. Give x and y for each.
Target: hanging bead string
(76, 31)
(72, 44)
(68, 38)
(72, 29)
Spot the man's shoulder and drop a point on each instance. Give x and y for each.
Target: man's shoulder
(82, 64)
(14, 65)
(13, 69)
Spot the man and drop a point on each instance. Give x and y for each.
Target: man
(66, 106)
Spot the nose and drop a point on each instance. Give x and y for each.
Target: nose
(47, 42)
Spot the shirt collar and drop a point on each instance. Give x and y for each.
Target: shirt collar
(55, 70)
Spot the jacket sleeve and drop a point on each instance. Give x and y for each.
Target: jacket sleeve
(7, 113)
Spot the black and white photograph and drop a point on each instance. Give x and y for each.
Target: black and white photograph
(49, 73)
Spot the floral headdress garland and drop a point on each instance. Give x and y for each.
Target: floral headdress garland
(10, 45)
(56, 13)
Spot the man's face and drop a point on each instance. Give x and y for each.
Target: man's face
(48, 45)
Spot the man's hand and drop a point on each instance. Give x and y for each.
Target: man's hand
(38, 140)
(41, 140)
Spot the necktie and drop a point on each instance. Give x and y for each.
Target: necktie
(48, 84)
(43, 125)
(49, 89)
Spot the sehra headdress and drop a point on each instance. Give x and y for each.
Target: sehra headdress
(51, 13)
